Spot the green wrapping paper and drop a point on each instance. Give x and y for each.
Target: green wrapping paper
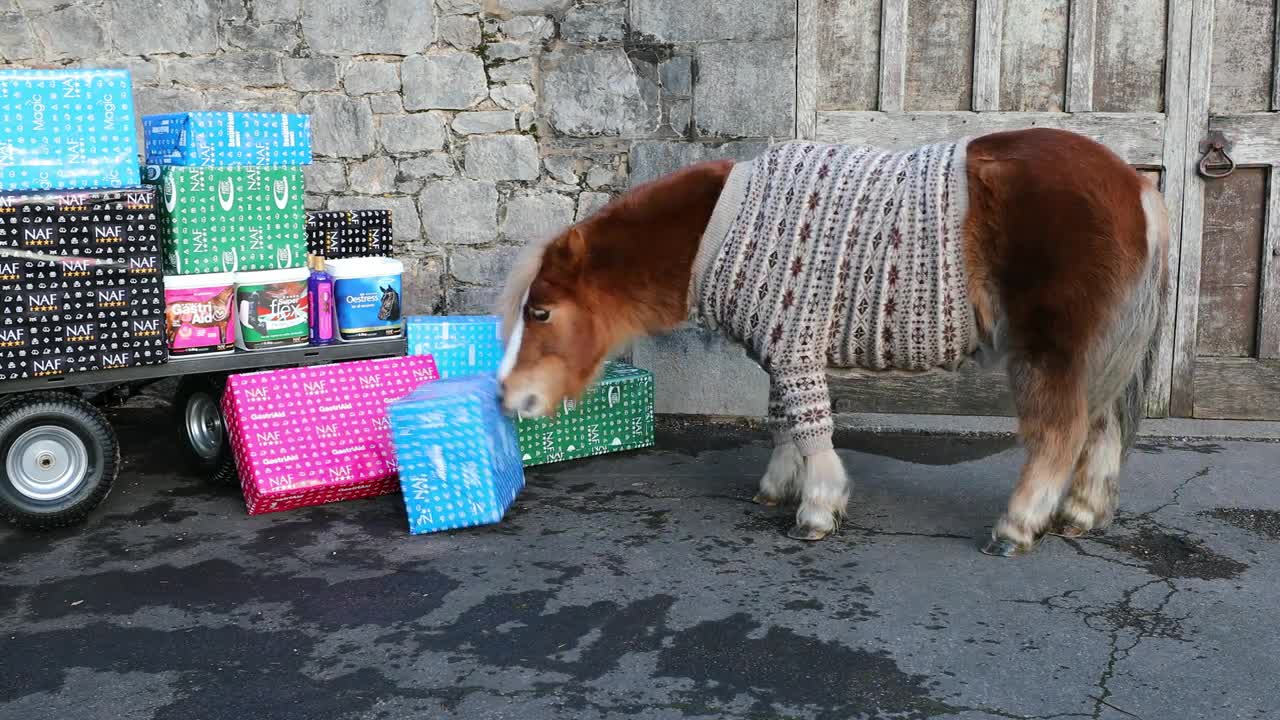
(615, 414)
(230, 219)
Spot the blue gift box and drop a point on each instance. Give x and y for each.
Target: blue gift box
(457, 454)
(209, 139)
(461, 344)
(67, 130)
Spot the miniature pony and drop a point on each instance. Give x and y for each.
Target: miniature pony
(1038, 247)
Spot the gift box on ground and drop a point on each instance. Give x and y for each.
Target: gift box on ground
(613, 415)
(338, 234)
(458, 455)
(229, 219)
(69, 129)
(314, 435)
(209, 139)
(461, 344)
(75, 315)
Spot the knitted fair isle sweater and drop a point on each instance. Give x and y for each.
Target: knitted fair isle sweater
(834, 255)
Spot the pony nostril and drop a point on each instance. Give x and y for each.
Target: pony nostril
(530, 404)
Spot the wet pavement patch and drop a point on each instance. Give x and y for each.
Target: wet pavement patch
(733, 657)
(260, 673)
(1262, 522)
(1170, 555)
(221, 586)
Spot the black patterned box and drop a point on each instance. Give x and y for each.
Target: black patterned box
(64, 311)
(337, 234)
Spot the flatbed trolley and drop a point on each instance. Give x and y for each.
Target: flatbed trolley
(60, 454)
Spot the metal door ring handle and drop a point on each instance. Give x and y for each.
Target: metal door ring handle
(1204, 165)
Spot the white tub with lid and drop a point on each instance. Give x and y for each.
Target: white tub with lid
(366, 297)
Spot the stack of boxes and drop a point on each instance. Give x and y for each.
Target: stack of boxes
(80, 280)
(232, 189)
(232, 215)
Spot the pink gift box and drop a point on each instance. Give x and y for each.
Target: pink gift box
(314, 435)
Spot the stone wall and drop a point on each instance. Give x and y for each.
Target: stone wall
(481, 125)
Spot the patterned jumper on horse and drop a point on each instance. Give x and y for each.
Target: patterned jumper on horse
(841, 256)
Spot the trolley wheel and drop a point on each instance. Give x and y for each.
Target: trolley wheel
(202, 434)
(60, 457)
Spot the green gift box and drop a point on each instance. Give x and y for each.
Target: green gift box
(230, 219)
(615, 414)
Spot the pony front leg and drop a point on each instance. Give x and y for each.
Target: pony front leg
(822, 483)
(779, 485)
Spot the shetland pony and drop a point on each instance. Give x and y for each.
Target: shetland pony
(1064, 252)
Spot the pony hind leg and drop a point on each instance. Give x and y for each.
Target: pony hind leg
(779, 484)
(1091, 502)
(1053, 423)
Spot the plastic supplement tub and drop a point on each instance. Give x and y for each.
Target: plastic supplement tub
(366, 297)
(199, 314)
(271, 308)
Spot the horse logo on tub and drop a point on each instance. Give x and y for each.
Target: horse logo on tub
(1040, 248)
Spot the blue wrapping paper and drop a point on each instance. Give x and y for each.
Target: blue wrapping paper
(461, 344)
(67, 130)
(457, 454)
(213, 139)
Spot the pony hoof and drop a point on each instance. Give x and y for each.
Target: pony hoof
(766, 500)
(807, 533)
(1068, 531)
(1004, 547)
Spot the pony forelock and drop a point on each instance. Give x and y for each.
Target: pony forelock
(523, 272)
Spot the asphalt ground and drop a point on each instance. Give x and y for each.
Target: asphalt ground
(646, 585)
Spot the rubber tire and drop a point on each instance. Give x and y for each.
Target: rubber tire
(92, 428)
(220, 469)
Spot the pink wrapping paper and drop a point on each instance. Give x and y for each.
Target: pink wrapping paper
(315, 435)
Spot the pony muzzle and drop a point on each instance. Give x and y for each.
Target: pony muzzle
(524, 402)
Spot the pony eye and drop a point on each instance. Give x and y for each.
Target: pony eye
(540, 314)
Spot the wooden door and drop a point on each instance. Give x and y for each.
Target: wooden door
(1227, 347)
(903, 72)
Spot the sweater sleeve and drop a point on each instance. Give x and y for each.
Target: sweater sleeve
(803, 396)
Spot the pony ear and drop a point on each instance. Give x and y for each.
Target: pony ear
(576, 240)
(570, 250)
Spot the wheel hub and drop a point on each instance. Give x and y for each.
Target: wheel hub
(47, 463)
(205, 430)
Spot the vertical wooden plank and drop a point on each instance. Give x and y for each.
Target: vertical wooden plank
(806, 68)
(940, 55)
(988, 37)
(1275, 60)
(1177, 76)
(1230, 259)
(1181, 401)
(848, 47)
(1033, 55)
(1244, 37)
(1129, 55)
(893, 55)
(1269, 312)
(1080, 54)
